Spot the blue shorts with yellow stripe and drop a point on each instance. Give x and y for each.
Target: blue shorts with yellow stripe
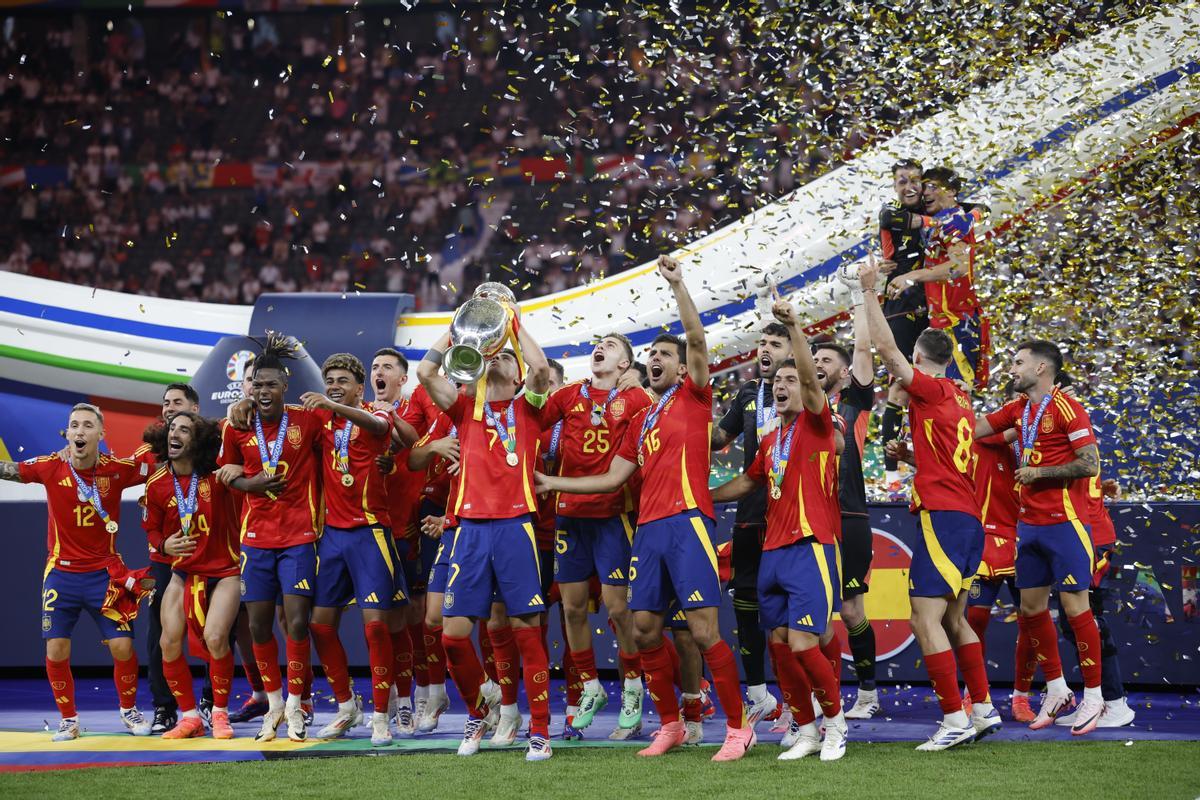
(946, 555)
(436, 584)
(584, 547)
(674, 559)
(359, 564)
(65, 595)
(494, 558)
(799, 586)
(970, 359)
(1054, 555)
(269, 572)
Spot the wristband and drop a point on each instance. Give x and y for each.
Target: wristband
(434, 356)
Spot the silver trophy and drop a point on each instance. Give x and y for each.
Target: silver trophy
(478, 331)
(496, 291)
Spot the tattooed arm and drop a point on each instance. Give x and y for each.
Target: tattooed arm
(10, 471)
(1085, 465)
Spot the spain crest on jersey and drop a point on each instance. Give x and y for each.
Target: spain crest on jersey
(205, 490)
(103, 484)
(294, 435)
(1047, 424)
(617, 407)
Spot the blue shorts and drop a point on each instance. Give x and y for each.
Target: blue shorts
(65, 594)
(970, 350)
(440, 570)
(267, 573)
(1054, 555)
(946, 555)
(494, 558)
(985, 591)
(674, 559)
(799, 586)
(360, 564)
(584, 547)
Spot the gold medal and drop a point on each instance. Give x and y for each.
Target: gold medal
(111, 526)
(347, 479)
(511, 459)
(776, 492)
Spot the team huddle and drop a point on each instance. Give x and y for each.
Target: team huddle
(458, 509)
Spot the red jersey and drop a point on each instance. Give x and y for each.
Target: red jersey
(365, 501)
(76, 536)
(674, 452)
(995, 486)
(545, 516)
(585, 448)
(214, 523)
(943, 438)
(292, 517)
(491, 488)
(1103, 531)
(148, 465)
(1064, 428)
(949, 299)
(419, 410)
(438, 480)
(807, 506)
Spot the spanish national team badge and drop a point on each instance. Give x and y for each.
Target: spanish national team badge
(1047, 425)
(294, 435)
(102, 484)
(617, 407)
(45, 622)
(347, 479)
(448, 600)
(205, 490)
(511, 459)
(111, 526)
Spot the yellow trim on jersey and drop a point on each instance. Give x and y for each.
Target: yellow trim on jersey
(462, 477)
(1085, 540)
(530, 503)
(628, 528)
(528, 526)
(987, 501)
(805, 529)
(949, 572)
(705, 542)
(197, 606)
(689, 500)
(1068, 506)
(371, 518)
(381, 541)
(826, 580)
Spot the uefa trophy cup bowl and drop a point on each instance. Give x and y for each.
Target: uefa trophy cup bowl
(478, 331)
(493, 290)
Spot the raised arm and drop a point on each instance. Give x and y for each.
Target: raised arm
(810, 387)
(693, 328)
(429, 373)
(881, 335)
(537, 376)
(10, 471)
(862, 363)
(619, 471)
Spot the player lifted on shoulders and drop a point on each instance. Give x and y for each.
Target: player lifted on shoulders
(84, 498)
(673, 557)
(1054, 548)
(495, 551)
(799, 587)
(947, 555)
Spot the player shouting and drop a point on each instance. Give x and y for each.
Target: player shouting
(673, 558)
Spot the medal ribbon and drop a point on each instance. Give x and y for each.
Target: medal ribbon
(89, 492)
(597, 409)
(186, 506)
(783, 444)
(1029, 433)
(270, 459)
(341, 441)
(652, 417)
(555, 435)
(763, 415)
(507, 437)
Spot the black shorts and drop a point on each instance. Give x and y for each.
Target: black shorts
(856, 555)
(906, 328)
(745, 558)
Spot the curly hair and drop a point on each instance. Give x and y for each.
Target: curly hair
(206, 441)
(346, 361)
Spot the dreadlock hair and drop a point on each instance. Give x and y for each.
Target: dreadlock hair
(278, 348)
(206, 441)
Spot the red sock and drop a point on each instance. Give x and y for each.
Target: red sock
(826, 688)
(507, 663)
(467, 673)
(832, 651)
(536, 670)
(1087, 640)
(657, 664)
(488, 652)
(943, 674)
(1026, 658)
(333, 660)
(62, 686)
(420, 669)
(179, 682)
(727, 682)
(974, 671)
(793, 682)
(266, 656)
(306, 692)
(299, 668)
(250, 667)
(574, 684)
(673, 655)
(125, 676)
(379, 656)
(220, 672)
(1043, 638)
(585, 663)
(545, 634)
(978, 618)
(631, 665)
(435, 655)
(402, 662)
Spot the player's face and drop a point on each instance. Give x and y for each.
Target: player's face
(556, 379)
(831, 369)
(180, 436)
(772, 350)
(664, 366)
(937, 197)
(609, 355)
(907, 183)
(266, 390)
(1025, 371)
(84, 433)
(247, 379)
(387, 377)
(341, 386)
(502, 369)
(786, 389)
(175, 401)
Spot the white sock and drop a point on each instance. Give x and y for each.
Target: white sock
(422, 692)
(633, 684)
(687, 696)
(757, 693)
(379, 716)
(1093, 694)
(1057, 686)
(868, 694)
(343, 708)
(275, 698)
(488, 686)
(572, 710)
(1018, 693)
(193, 714)
(510, 710)
(983, 709)
(258, 697)
(436, 690)
(810, 730)
(957, 720)
(593, 686)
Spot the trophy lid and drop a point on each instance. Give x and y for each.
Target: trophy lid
(494, 290)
